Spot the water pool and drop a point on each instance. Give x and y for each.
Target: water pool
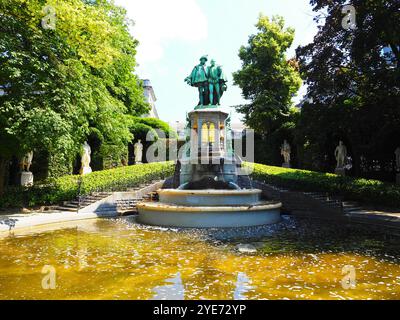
(119, 259)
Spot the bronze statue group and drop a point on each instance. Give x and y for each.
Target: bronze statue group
(210, 81)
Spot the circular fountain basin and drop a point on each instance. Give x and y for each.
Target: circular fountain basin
(209, 209)
(167, 215)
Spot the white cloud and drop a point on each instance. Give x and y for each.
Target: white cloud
(159, 21)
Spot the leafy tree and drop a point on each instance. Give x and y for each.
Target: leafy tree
(158, 125)
(353, 86)
(269, 80)
(62, 83)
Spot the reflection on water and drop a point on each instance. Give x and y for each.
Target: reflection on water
(118, 259)
(172, 291)
(242, 286)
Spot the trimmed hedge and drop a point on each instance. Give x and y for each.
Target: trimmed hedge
(66, 188)
(368, 191)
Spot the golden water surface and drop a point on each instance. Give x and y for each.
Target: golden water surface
(117, 259)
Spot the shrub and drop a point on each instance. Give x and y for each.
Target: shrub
(157, 124)
(140, 131)
(66, 188)
(368, 191)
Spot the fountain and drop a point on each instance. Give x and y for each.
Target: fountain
(210, 187)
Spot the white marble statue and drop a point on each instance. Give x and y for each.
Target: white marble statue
(86, 159)
(26, 174)
(397, 153)
(138, 149)
(341, 155)
(286, 152)
(27, 161)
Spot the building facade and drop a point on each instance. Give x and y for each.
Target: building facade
(151, 99)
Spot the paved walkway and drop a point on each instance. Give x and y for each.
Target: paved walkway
(364, 214)
(11, 222)
(104, 208)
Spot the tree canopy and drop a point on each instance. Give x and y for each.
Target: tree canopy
(267, 78)
(353, 79)
(63, 81)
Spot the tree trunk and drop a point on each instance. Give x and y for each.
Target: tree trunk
(3, 168)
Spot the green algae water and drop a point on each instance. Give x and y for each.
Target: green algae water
(119, 259)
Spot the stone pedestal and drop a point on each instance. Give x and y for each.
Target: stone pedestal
(211, 161)
(340, 171)
(286, 165)
(398, 178)
(86, 170)
(26, 179)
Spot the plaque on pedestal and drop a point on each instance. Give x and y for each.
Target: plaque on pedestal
(286, 165)
(26, 179)
(340, 171)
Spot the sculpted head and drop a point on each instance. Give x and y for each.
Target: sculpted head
(203, 59)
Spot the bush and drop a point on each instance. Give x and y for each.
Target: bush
(368, 191)
(140, 131)
(66, 188)
(157, 125)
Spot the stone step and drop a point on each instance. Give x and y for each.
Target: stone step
(350, 204)
(69, 209)
(82, 203)
(93, 198)
(101, 194)
(69, 205)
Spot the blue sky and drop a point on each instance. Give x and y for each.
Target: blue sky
(173, 34)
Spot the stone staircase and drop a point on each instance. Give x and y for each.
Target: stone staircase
(350, 207)
(130, 206)
(126, 207)
(326, 199)
(123, 206)
(302, 201)
(75, 205)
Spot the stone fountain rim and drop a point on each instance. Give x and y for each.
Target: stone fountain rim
(156, 206)
(210, 192)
